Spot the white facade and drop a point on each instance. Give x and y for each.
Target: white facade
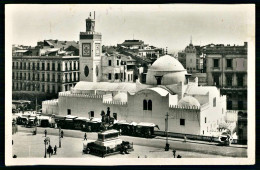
(201, 115)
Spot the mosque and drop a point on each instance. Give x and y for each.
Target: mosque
(191, 109)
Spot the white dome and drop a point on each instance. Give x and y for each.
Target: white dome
(167, 63)
(120, 97)
(169, 69)
(188, 101)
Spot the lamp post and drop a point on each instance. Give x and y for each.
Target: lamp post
(167, 145)
(59, 137)
(45, 142)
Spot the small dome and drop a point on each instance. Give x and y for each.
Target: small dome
(188, 101)
(167, 63)
(120, 97)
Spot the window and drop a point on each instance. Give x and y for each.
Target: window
(69, 112)
(13, 75)
(24, 66)
(182, 122)
(29, 66)
(33, 66)
(116, 76)
(240, 80)
(216, 80)
(70, 66)
(43, 66)
(150, 105)
(205, 120)
(229, 63)
(144, 105)
(115, 116)
(53, 77)
(43, 88)
(74, 66)
(38, 66)
(43, 77)
(216, 62)
(58, 66)
(48, 66)
(53, 66)
(53, 88)
(229, 80)
(91, 113)
(229, 105)
(48, 77)
(109, 76)
(214, 102)
(128, 77)
(132, 77)
(59, 89)
(29, 76)
(240, 105)
(117, 62)
(109, 62)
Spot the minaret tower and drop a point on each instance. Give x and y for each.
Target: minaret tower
(90, 52)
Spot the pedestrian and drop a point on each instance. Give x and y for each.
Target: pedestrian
(55, 149)
(174, 152)
(145, 156)
(85, 136)
(120, 131)
(185, 138)
(61, 134)
(45, 132)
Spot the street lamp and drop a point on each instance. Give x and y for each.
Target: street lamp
(167, 145)
(46, 140)
(59, 137)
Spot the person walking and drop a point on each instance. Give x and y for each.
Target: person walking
(55, 149)
(174, 153)
(185, 138)
(85, 136)
(45, 132)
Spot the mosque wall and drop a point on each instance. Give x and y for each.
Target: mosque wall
(81, 106)
(191, 117)
(160, 106)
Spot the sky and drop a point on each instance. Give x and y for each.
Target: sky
(168, 25)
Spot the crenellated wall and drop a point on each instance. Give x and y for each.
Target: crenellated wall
(191, 115)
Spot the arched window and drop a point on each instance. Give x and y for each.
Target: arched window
(150, 105)
(144, 105)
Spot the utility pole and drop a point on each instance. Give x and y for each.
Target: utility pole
(167, 146)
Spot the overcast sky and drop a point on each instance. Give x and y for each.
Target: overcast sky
(160, 25)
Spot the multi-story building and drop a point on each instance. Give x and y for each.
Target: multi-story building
(48, 74)
(226, 67)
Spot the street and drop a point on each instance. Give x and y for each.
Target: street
(28, 145)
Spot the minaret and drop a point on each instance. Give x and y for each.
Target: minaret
(90, 52)
(190, 40)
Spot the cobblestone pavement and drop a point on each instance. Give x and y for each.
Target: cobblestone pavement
(28, 145)
(154, 145)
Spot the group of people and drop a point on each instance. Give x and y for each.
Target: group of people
(50, 150)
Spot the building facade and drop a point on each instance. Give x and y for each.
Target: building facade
(47, 74)
(226, 67)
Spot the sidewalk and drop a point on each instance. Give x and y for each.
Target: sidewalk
(200, 142)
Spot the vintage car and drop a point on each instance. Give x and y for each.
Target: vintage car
(108, 143)
(225, 139)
